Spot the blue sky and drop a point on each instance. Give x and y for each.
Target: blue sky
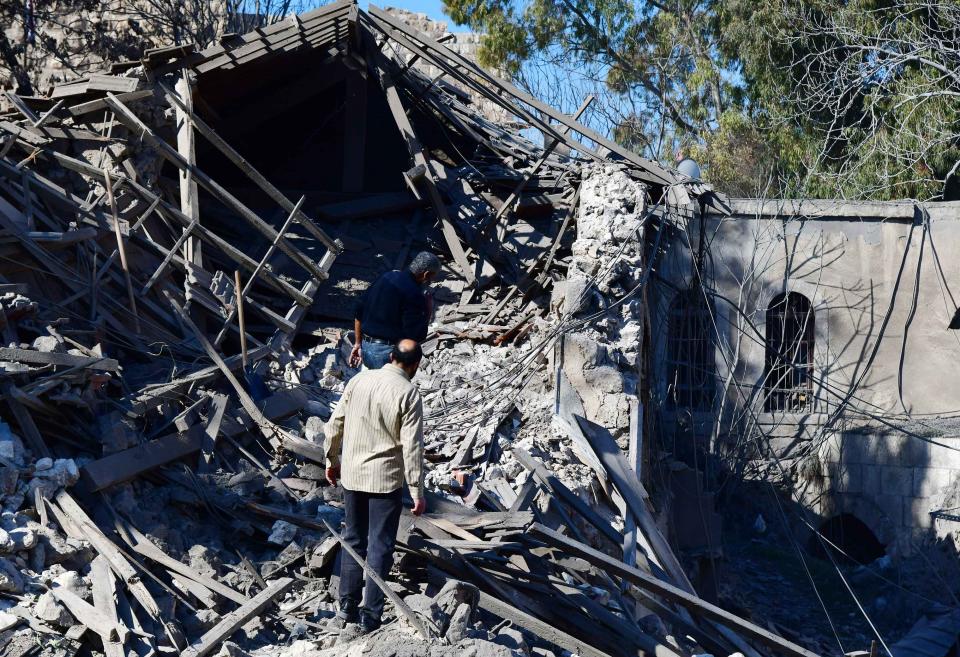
(432, 8)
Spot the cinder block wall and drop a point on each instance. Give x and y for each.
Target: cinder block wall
(890, 481)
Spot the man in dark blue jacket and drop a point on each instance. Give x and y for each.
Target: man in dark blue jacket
(395, 308)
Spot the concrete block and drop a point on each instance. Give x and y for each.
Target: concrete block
(927, 482)
(916, 512)
(891, 508)
(896, 480)
(846, 477)
(871, 479)
(943, 457)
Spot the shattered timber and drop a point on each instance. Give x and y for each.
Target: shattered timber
(184, 239)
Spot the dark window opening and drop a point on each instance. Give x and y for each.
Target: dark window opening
(690, 352)
(788, 371)
(849, 534)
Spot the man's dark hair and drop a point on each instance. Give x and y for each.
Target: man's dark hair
(409, 357)
(424, 262)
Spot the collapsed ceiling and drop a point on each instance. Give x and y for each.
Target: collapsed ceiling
(176, 231)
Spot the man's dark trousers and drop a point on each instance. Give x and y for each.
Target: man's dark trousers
(372, 520)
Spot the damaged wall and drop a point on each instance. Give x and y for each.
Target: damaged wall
(873, 434)
(602, 361)
(61, 40)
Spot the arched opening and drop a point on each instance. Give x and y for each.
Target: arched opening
(851, 535)
(788, 371)
(690, 352)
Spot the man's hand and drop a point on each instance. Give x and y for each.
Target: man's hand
(419, 506)
(356, 356)
(333, 474)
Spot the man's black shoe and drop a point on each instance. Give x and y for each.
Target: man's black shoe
(366, 627)
(341, 620)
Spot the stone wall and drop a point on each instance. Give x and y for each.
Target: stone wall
(602, 362)
(890, 481)
(72, 37)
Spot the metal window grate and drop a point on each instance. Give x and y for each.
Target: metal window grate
(788, 372)
(690, 352)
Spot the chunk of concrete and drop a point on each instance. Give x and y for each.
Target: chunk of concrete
(48, 609)
(459, 626)
(11, 581)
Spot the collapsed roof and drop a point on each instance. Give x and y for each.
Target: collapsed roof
(129, 245)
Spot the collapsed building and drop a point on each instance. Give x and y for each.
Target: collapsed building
(185, 241)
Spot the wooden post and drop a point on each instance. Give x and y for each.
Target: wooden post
(635, 459)
(420, 158)
(186, 146)
(240, 322)
(122, 249)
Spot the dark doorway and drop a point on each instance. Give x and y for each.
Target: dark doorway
(851, 535)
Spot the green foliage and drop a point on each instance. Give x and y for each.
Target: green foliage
(786, 97)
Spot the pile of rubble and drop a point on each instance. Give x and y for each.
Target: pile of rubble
(161, 496)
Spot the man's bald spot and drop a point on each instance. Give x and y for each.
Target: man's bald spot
(406, 353)
(406, 345)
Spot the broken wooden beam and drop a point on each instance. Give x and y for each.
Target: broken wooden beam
(34, 357)
(238, 618)
(554, 486)
(625, 480)
(27, 426)
(377, 60)
(668, 591)
(402, 607)
(122, 466)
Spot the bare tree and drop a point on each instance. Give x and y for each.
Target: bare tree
(881, 89)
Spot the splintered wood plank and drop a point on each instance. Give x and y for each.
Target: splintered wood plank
(265, 425)
(34, 357)
(105, 547)
(100, 104)
(123, 466)
(212, 430)
(237, 618)
(143, 546)
(626, 482)
(668, 591)
(554, 486)
(96, 619)
(545, 631)
(104, 600)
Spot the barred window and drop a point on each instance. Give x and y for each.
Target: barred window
(690, 352)
(788, 371)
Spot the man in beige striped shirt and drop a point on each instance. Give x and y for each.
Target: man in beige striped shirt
(379, 423)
